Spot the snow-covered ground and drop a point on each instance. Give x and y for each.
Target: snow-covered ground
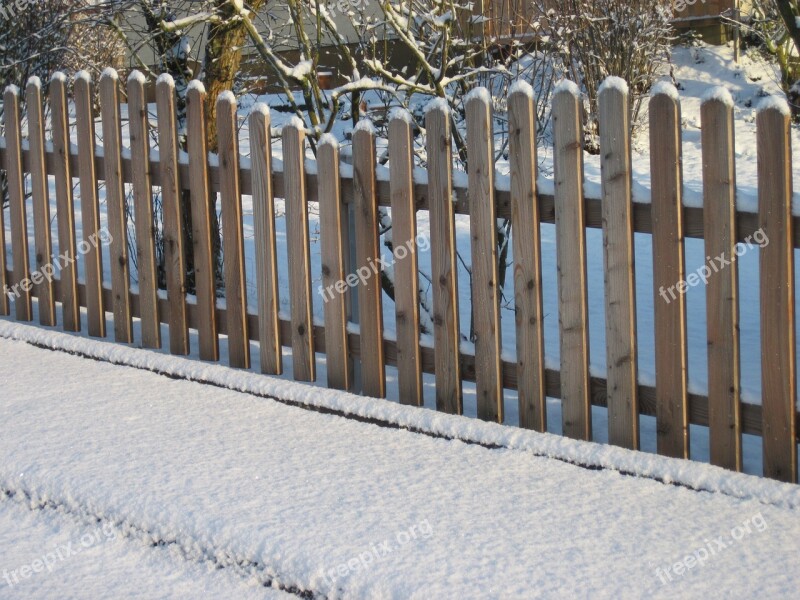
(169, 485)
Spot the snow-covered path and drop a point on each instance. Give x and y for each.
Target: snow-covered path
(318, 503)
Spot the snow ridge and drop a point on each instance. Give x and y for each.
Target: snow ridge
(613, 82)
(665, 88)
(137, 77)
(774, 103)
(481, 94)
(568, 87)
(719, 94)
(522, 87)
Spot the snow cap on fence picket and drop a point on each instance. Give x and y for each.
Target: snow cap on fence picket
(522, 87)
(34, 81)
(365, 125)
(612, 82)
(399, 112)
(479, 93)
(297, 123)
(437, 104)
(137, 76)
(83, 76)
(165, 79)
(664, 88)
(109, 73)
(197, 86)
(12, 89)
(720, 94)
(774, 102)
(567, 86)
(59, 76)
(328, 139)
(260, 108)
(227, 96)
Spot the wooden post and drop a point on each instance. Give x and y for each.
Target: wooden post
(115, 207)
(202, 204)
(143, 211)
(571, 251)
(443, 260)
(269, 333)
(526, 238)
(41, 206)
(172, 210)
(406, 271)
(337, 352)
(722, 302)
(778, 336)
(303, 359)
(621, 349)
(90, 207)
(368, 263)
(232, 234)
(16, 192)
(669, 307)
(483, 234)
(65, 207)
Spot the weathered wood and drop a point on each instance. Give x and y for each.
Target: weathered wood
(232, 234)
(89, 207)
(526, 239)
(671, 358)
(333, 288)
(620, 298)
(21, 288)
(65, 205)
(145, 225)
(42, 277)
(778, 336)
(269, 335)
(115, 206)
(203, 201)
(368, 264)
(406, 271)
(302, 335)
(172, 211)
(571, 259)
(722, 302)
(446, 333)
(483, 242)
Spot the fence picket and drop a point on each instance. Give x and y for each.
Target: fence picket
(722, 302)
(370, 307)
(115, 206)
(173, 218)
(232, 234)
(65, 206)
(778, 336)
(203, 202)
(571, 257)
(485, 279)
(17, 212)
(339, 361)
(620, 298)
(526, 238)
(672, 403)
(90, 207)
(269, 333)
(303, 360)
(143, 211)
(41, 205)
(406, 273)
(446, 332)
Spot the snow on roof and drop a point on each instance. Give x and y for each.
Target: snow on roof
(137, 76)
(522, 87)
(227, 96)
(328, 139)
(437, 104)
(365, 125)
(109, 73)
(613, 83)
(719, 94)
(665, 88)
(567, 86)
(479, 93)
(197, 86)
(776, 103)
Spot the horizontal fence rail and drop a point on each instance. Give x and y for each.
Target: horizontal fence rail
(355, 195)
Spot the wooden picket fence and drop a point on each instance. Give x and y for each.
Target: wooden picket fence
(670, 401)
